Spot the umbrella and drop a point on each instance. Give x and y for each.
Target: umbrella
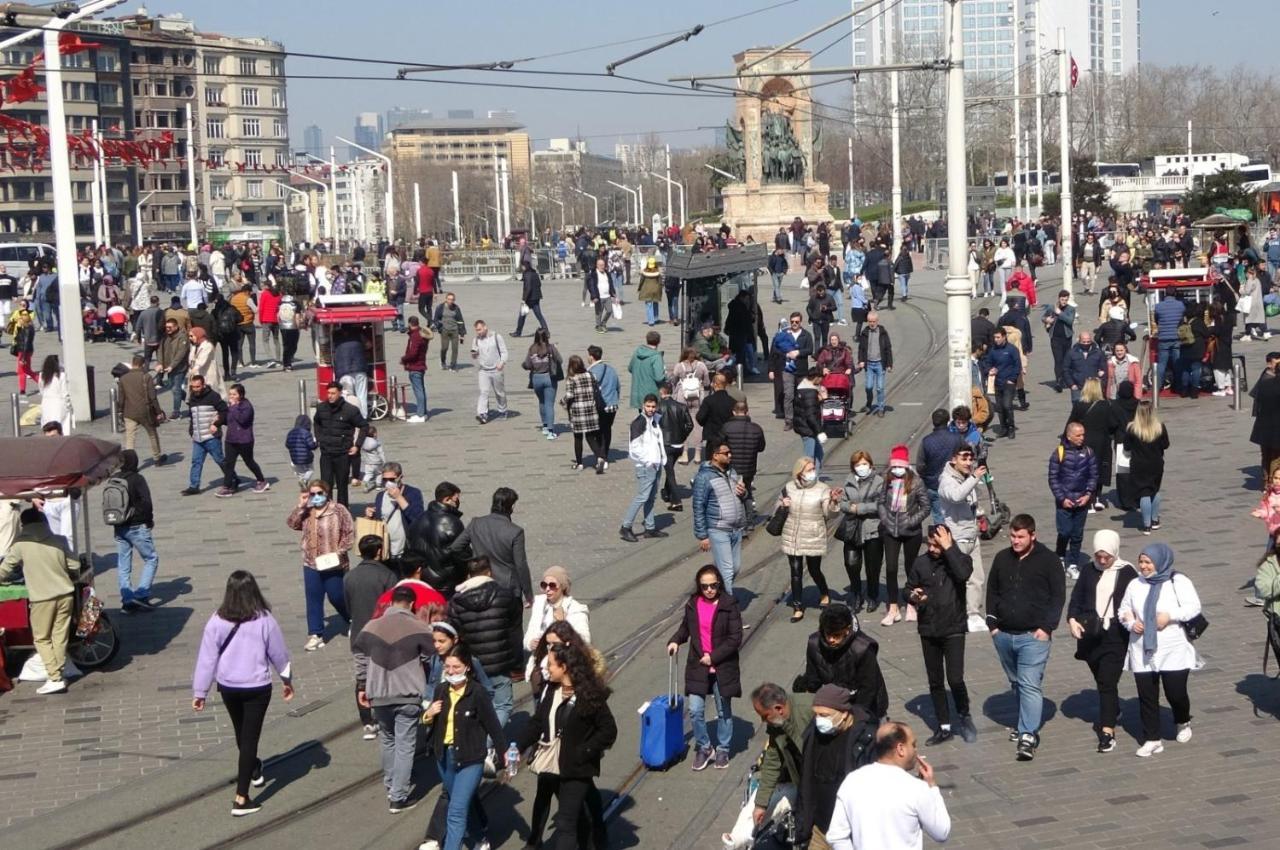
(49, 465)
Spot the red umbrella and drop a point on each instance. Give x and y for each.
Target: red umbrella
(47, 465)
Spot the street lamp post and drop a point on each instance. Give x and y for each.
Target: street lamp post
(594, 201)
(137, 217)
(632, 193)
(389, 198)
(191, 176)
(417, 211)
(328, 203)
(1065, 230)
(306, 201)
(552, 200)
(670, 183)
(957, 287)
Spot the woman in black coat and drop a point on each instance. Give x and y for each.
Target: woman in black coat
(1266, 422)
(1101, 421)
(806, 418)
(573, 716)
(1145, 441)
(1219, 326)
(710, 671)
(1101, 641)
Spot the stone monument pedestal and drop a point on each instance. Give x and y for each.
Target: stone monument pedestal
(759, 211)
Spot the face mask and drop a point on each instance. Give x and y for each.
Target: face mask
(825, 725)
(317, 500)
(862, 470)
(456, 679)
(809, 477)
(898, 471)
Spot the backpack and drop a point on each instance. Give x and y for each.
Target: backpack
(691, 386)
(117, 507)
(225, 320)
(979, 407)
(1185, 335)
(287, 312)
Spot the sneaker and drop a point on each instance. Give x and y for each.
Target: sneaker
(628, 535)
(248, 807)
(891, 618)
(1253, 602)
(1149, 749)
(258, 780)
(415, 419)
(1073, 572)
(977, 623)
(129, 606)
(655, 533)
(225, 493)
(395, 807)
(1099, 507)
(143, 603)
(190, 491)
(968, 732)
(722, 759)
(313, 643)
(940, 737)
(1184, 733)
(1155, 524)
(550, 435)
(58, 687)
(911, 613)
(701, 758)
(1013, 736)
(429, 844)
(261, 487)
(1106, 742)
(370, 732)
(1146, 529)
(162, 460)
(481, 419)
(1026, 747)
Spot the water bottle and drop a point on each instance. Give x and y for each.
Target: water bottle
(513, 759)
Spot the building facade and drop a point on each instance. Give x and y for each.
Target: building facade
(462, 144)
(567, 165)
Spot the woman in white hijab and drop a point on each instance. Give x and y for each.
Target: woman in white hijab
(1101, 640)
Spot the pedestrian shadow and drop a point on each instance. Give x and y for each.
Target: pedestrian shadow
(292, 766)
(922, 707)
(437, 411)
(170, 589)
(1002, 708)
(502, 798)
(146, 633)
(1253, 477)
(621, 831)
(1084, 706)
(1263, 693)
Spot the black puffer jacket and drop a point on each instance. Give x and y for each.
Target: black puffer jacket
(676, 423)
(487, 614)
(338, 427)
(746, 441)
(807, 416)
(430, 536)
(852, 664)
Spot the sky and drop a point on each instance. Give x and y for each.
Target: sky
(434, 31)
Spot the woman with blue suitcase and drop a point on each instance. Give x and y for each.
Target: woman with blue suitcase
(712, 626)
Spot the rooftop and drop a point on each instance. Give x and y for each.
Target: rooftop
(445, 124)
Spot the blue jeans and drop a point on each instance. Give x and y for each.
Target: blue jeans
(535, 310)
(1167, 357)
(1024, 659)
(903, 280)
(1070, 523)
(813, 449)
(398, 738)
(46, 314)
(1189, 367)
(935, 507)
(176, 380)
(503, 700)
(616, 281)
(698, 718)
(726, 552)
(318, 584)
(461, 782)
(837, 295)
(777, 287)
(417, 380)
(875, 384)
(647, 477)
(650, 313)
(673, 305)
(545, 390)
(211, 447)
(1075, 394)
(1150, 507)
(128, 538)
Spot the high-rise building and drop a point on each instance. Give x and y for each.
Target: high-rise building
(313, 141)
(367, 132)
(399, 115)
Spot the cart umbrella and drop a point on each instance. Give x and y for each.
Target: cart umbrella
(43, 465)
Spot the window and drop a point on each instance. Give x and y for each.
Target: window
(217, 157)
(253, 156)
(277, 98)
(282, 159)
(137, 88)
(248, 217)
(249, 97)
(277, 68)
(215, 128)
(277, 128)
(254, 188)
(213, 96)
(281, 191)
(218, 190)
(108, 93)
(251, 127)
(213, 64)
(161, 88)
(107, 61)
(248, 65)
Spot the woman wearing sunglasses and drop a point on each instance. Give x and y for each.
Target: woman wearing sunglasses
(554, 605)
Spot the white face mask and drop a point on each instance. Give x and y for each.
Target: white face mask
(862, 470)
(456, 679)
(825, 725)
(809, 477)
(898, 471)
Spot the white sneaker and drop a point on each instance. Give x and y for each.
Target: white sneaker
(1073, 572)
(60, 687)
(370, 732)
(1184, 733)
(429, 844)
(416, 419)
(1149, 749)
(313, 643)
(977, 623)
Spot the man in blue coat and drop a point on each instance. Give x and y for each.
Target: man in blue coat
(398, 505)
(1073, 480)
(1085, 360)
(1005, 363)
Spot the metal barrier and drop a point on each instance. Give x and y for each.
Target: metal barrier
(115, 410)
(1239, 378)
(304, 406)
(467, 265)
(392, 396)
(15, 410)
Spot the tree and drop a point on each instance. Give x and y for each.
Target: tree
(1222, 189)
(1088, 192)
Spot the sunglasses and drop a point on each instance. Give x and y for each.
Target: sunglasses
(548, 585)
(712, 586)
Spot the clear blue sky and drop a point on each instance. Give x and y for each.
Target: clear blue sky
(434, 31)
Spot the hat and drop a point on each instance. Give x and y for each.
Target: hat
(1106, 540)
(561, 575)
(1116, 313)
(706, 326)
(833, 697)
(899, 456)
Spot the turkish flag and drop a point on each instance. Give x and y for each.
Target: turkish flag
(1075, 72)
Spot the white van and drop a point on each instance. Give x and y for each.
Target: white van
(24, 252)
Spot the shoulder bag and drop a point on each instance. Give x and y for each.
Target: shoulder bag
(777, 521)
(1197, 625)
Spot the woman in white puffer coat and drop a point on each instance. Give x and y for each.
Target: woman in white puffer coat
(804, 535)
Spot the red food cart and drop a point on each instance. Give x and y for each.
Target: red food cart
(365, 316)
(54, 467)
(1195, 286)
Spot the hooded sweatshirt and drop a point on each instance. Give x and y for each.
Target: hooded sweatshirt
(647, 371)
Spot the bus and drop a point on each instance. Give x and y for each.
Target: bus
(1118, 169)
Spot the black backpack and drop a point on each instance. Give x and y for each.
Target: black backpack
(117, 506)
(225, 320)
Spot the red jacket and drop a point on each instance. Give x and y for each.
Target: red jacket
(269, 307)
(1022, 281)
(426, 280)
(415, 352)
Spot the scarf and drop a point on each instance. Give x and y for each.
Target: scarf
(1162, 556)
(1107, 541)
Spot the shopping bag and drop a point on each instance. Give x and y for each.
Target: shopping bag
(617, 312)
(365, 526)
(662, 724)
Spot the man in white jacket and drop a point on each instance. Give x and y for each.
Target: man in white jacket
(649, 456)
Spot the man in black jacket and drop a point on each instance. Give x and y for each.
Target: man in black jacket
(531, 297)
(840, 741)
(715, 410)
(981, 330)
(339, 429)
(1025, 594)
(840, 653)
(500, 541)
(135, 533)
(434, 532)
(746, 441)
(677, 425)
(875, 357)
(488, 617)
(936, 451)
(936, 585)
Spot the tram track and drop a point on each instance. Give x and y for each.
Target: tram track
(618, 656)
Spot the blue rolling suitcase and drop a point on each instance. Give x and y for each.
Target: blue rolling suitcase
(662, 725)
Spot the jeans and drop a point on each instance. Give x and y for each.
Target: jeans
(604, 311)
(647, 476)
(726, 553)
(777, 287)
(698, 718)
(838, 296)
(250, 333)
(417, 380)
(1059, 346)
(398, 737)
(317, 584)
(503, 701)
(545, 390)
(128, 538)
(1004, 405)
(1166, 357)
(1070, 523)
(535, 310)
(673, 305)
(650, 313)
(46, 314)
(211, 447)
(336, 469)
(875, 384)
(1150, 507)
(788, 395)
(910, 548)
(669, 484)
(1190, 369)
(461, 782)
(575, 796)
(176, 381)
(1175, 691)
(813, 449)
(271, 334)
(234, 452)
(903, 280)
(947, 653)
(248, 709)
(935, 508)
(1024, 659)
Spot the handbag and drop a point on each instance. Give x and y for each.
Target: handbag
(850, 530)
(617, 312)
(547, 758)
(1197, 625)
(1244, 304)
(777, 521)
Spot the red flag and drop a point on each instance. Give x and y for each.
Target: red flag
(1075, 72)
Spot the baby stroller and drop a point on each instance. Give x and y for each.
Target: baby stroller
(837, 407)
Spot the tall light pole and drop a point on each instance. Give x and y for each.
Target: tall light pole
(506, 197)
(137, 218)
(851, 178)
(670, 183)
(102, 179)
(595, 202)
(552, 200)
(632, 193)
(388, 199)
(1064, 143)
(1039, 120)
(667, 180)
(191, 174)
(895, 138)
(957, 287)
(417, 211)
(457, 220)
(306, 202)
(1017, 124)
(333, 197)
(497, 190)
(640, 204)
(324, 187)
(95, 188)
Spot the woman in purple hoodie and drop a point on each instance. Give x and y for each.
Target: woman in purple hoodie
(240, 443)
(241, 645)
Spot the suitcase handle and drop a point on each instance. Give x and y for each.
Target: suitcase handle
(671, 677)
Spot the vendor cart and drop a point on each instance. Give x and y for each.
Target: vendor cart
(364, 317)
(49, 468)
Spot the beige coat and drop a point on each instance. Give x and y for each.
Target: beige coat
(805, 531)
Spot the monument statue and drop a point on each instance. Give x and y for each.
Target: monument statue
(783, 158)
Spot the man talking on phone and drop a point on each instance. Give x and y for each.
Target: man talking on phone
(398, 505)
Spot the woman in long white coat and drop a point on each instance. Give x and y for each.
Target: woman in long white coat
(55, 395)
(804, 535)
(202, 359)
(1154, 610)
(552, 605)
